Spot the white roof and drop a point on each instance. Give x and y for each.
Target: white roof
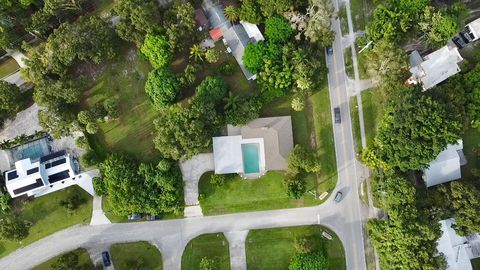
(437, 66)
(252, 31)
(446, 167)
(227, 152)
(452, 246)
(475, 28)
(23, 178)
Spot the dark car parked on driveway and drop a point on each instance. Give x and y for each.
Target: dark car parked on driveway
(338, 118)
(106, 258)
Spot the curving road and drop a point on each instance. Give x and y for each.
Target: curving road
(171, 236)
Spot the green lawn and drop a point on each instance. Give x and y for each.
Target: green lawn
(471, 148)
(373, 109)
(48, 216)
(361, 12)
(138, 255)
(476, 264)
(355, 124)
(133, 132)
(8, 66)
(84, 261)
(273, 248)
(212, 246)
(342, 15)
(349, 63)
(239, 195)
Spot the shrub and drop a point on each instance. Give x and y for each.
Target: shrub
(12, 228)
(309, 261)
(296, 185)
(207, 264)
(89, 159)
(227, 68)
(99, 186)
(212, 56)
(82, 142)
(72, 202)
(298, 104)
(111, 107)
(218, 180)
(85, 117)
(92, 127)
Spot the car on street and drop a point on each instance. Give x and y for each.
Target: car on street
(134, 217)
(152, 217)
(106, 258)
(338, 118)
(329, 50)
(338, 197)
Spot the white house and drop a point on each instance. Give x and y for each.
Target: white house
(457, 250)
(251, 150)
(473, 29)
(435, 67)
(446, 166)
(33, 178)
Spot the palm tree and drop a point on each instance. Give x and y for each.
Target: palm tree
(196, 51)
(232, 101)
(231, 13)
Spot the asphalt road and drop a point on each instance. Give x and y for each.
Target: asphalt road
(349, 171)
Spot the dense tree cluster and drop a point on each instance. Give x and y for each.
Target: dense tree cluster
(163, 87)
(10, 100)
(413, 131)
(392, 21)
(407, 238)
(50, 68)
(141, 188)
(180, 25)
(138, 18)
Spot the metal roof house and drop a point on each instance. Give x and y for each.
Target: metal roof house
(33, 178)
(236, 37)
(435, 67)
(261, 145)
(457, 250)
(446, 167)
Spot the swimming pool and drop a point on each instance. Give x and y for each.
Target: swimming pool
(251, 158)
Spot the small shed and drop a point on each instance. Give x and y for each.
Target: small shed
(216, 34)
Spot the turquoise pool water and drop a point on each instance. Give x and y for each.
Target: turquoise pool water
(251, 158)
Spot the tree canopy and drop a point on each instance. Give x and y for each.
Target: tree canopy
(162, 87)
(414, 130)
(10, 100)
(278, 29)
(142, 188)
(407, 238)
(138, 18)
(157, 50)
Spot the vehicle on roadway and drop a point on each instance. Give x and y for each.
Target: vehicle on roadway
(134, 217)
(106, 258)
(338, 197)
(338, 118)
(329, 50)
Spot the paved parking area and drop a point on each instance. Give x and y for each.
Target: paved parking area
(192, 170)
